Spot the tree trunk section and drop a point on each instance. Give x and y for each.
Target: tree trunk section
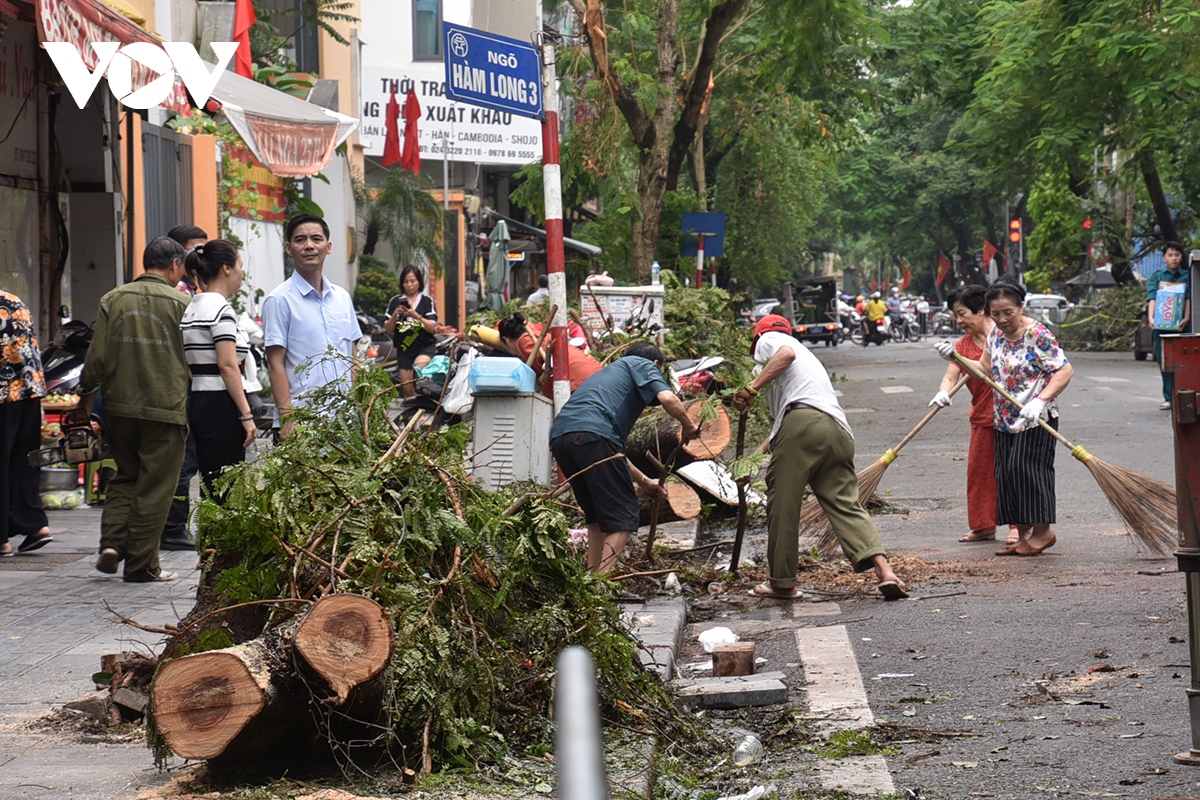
(657, 433)
(1158, 196)
(681, 503)
(252, 701)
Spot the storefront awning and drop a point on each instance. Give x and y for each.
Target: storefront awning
(292, 137)
(574, 244)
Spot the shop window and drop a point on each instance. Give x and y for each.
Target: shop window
(427, 30)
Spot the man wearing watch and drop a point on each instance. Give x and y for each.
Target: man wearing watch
(811, 444)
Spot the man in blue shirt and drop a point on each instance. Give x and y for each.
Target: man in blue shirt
(303, 317)
(592, 427)
(1172, 274)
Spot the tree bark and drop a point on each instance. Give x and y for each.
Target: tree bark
(657, 433)
(252, 701)
(681, 503)
(1158, 196)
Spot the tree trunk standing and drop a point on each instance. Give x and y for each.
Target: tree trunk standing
(265, 699)
(1158, 196)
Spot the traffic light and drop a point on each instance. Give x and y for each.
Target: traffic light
(1087, 224)
(1014, 231)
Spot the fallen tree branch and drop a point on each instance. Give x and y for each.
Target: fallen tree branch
(556, 491)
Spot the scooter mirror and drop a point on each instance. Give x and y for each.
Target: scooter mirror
(64, 312)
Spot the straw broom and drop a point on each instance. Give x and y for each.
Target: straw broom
(1146, 506)
(814, 523)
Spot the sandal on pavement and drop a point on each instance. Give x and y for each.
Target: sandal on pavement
(1027, 549)
(977, 536)
(34, 541)
(9, 553)
(1165, 407)
(892, 590)
(765, 589)
(1013, 537)
(1008, 550)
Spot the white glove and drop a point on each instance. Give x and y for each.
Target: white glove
(1033, 409)
(945, 350)
(941, 400)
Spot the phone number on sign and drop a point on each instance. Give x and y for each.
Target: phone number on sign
(530, 154)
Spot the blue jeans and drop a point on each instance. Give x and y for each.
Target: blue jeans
(1168, 378)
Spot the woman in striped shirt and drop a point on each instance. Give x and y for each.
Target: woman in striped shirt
(215, 347)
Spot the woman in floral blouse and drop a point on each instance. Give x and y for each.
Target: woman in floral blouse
(21, 390)
(1024, 358)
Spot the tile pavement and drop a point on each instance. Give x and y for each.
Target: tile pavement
(53, 629)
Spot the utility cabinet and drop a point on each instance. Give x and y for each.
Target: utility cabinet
(511, 440)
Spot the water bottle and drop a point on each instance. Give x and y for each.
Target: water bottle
(654, 271)
(749, 751)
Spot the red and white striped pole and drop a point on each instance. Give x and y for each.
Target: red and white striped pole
(555, 259)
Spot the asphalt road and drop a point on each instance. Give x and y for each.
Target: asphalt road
(1012, 660)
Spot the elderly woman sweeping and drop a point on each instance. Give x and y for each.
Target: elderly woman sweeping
(1022, 356)
(968, 305)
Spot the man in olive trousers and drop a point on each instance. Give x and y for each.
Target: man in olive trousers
(811, 444)
(136, 358)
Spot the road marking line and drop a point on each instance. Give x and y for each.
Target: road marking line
(1103, 379)
(895, 389)
(836, 695)
(859, 410)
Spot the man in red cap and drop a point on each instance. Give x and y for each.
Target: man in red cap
(811, 444)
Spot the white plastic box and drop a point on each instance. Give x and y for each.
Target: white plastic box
(511, 440)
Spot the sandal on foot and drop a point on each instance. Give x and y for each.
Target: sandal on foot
(767, 590)
(977, 536)
(1008, 550)
(1027, 549)
(1165, 407)
(34, 541)
(892, 590)
(9, 553)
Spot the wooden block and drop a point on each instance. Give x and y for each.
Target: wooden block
(735, 658)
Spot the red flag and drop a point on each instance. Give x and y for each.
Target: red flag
(410, 159)
(905, 278)
(874, 283)
(243, 18)
(944, 267)
(391, 141)
(991, 251)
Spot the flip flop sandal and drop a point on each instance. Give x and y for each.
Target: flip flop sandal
(892, 590)
(7, 553)
(972, 537)
(1009, 550)
(1026, 549)
(767, 590)
(33, 542)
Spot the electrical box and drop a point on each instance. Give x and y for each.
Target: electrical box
(511, 440)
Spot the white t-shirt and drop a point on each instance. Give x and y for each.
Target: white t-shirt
(805, 381)
(207, 320)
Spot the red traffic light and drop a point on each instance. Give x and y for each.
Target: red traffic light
(1014, 237)
(1014, 230)
(1015, 224)
(1087, 224)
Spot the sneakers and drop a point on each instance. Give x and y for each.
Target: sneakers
(108, 561)
(1165, 406)
(149, 577)
(185, 542)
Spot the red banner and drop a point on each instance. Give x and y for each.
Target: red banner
(990, 251)
(905, 279)
(944, 267)
(293, 149)
(81, 22)
(262, 194)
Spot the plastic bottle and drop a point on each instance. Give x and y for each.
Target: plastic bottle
(654, 273)
(749, 751)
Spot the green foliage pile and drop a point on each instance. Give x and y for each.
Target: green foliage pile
(481, 602)
(376, 285)
(1109, 323)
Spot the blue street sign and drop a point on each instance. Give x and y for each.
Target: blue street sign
(712, 225)
(492, 71)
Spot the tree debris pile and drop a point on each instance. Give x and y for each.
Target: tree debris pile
(479, 602)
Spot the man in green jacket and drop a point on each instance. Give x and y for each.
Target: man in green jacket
(136, 358)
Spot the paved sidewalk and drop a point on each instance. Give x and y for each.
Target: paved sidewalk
(52, 633)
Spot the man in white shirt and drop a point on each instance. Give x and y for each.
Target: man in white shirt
(811, 444)
(303, 317)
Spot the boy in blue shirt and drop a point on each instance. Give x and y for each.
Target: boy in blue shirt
(1157, 295)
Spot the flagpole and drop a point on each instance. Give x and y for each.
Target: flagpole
(555, 257)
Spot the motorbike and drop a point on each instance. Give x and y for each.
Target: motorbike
(696, 376)
(876, 332)
(903, 327)
(62, 360)
(428, 391)
(944, 323)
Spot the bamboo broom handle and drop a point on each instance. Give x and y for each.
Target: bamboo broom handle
(932, 413)
(537, 346)
(971, 367)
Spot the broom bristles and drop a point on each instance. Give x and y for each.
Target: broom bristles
(813, 522)
(1146, 506)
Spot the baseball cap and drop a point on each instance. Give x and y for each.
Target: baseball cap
(771, 322)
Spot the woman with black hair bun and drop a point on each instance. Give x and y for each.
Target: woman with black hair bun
(412, 320)
(216, 347)
(516, 339)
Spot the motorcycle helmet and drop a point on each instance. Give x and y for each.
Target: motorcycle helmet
(875, 295)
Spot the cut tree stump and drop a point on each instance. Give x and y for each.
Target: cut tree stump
(253, 698)
(681, 503)
(657, 433)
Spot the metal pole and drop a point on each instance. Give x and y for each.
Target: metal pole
(446, 163)
(700, 262)
(578, 748)
(555, 259)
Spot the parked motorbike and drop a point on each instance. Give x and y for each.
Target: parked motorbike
(944, 323)
(903, 327)
(696, 376)
(62, 360)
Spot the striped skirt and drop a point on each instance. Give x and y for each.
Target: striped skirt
(1025, 476)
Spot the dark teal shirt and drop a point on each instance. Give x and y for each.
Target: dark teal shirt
(609, 402)
(1165, 275)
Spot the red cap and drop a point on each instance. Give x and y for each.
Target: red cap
(771, 322)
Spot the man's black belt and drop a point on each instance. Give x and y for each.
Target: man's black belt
(798, 405)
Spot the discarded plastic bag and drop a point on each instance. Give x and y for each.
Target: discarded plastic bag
(753, 794)
(715, 636)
